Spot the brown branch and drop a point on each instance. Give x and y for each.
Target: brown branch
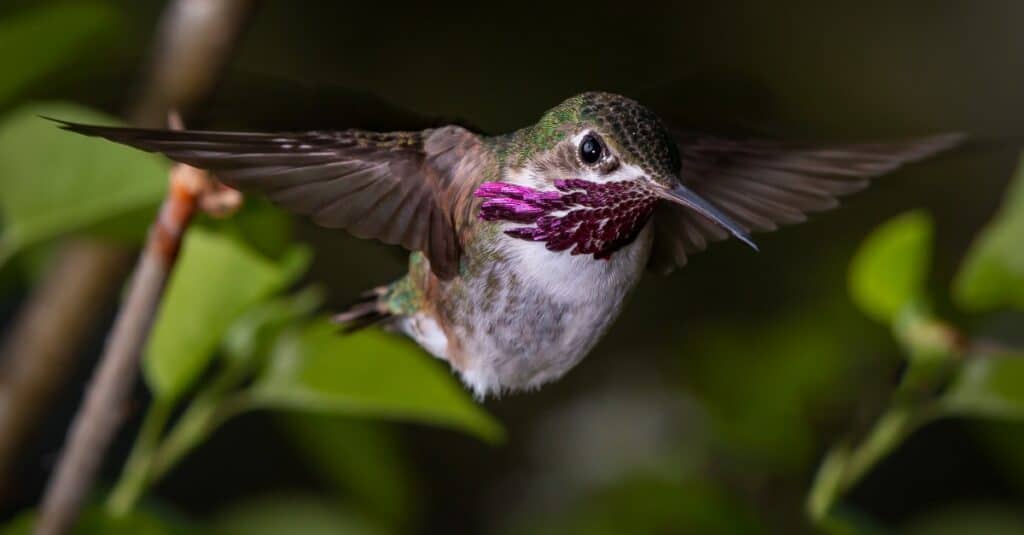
(194, 41)
(99, 417)
(40, 349)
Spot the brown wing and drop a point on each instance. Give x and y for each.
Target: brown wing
(763, 185)
(396, 187)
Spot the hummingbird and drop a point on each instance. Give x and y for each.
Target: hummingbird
(524, 246)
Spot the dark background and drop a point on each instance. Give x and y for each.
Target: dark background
(736, 372)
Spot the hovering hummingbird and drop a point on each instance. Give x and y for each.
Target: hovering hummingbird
(525, 245)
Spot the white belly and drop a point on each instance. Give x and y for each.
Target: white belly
(548, 316)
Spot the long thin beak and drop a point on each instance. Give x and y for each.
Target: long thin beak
(680, 194)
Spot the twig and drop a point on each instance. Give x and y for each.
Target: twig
(195, 39)
(99, 417)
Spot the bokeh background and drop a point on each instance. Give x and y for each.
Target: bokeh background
(710, 403)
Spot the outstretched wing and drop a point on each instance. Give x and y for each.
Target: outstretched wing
(763, 185)
(397, 187)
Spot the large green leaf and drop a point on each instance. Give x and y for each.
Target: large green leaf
(368, 373)
(993, 273)
(890, 269)
(37, 43)
(988, 386)
(54, 182)
(361, 459)
(265, 227)
(215, 280)
(249, 339)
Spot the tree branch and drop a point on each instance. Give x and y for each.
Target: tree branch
(194, 40)
(99, 417)
(39, 351)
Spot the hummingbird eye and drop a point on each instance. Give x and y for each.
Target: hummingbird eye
(590, 149)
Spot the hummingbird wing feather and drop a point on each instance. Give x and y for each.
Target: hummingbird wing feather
(397, 187)
(763, 185)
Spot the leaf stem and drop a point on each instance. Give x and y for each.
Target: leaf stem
(844, 466)
(198, 422)
(932, 347)
(136, 475)
(151, 458)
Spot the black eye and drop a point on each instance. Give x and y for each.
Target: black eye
(590, 149)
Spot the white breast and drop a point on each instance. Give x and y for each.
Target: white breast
(579, 279)
(552, 309)
(571, 300)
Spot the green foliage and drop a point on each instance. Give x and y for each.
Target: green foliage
(263, 226)
(221, 301)
(94, 521)
(945, 376)
(988, 386)
(215, 280)
(69, 28)
(891, 266)
(649, 505)
(992, 274)
(54, 182)
(296, 515)
(253, 334)
(368, 373)
(759, 419)
(360, 459)
(227, 340)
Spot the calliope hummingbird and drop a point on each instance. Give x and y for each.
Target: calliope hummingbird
(525, 245)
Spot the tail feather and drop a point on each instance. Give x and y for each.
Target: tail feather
(366, 311)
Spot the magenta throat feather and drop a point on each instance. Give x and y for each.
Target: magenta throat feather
(592, 218)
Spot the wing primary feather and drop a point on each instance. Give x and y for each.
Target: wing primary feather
(388, 186)
(765, 184)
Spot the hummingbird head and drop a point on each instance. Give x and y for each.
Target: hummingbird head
(588, 176)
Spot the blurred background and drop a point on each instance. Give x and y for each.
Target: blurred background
(713, 399)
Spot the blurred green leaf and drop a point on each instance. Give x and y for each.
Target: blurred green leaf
(254, 332)
(988, 386)
(795, 367)
(265, 227)
(53, 182)
(368, 373)
(360, 458)
(297, 515)
(992, 275)
(215, 280)
(890, 269)
(647, 505)
(828, 483)
(94, 521)
(931, 344)
(41, 41)
(129, 227)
